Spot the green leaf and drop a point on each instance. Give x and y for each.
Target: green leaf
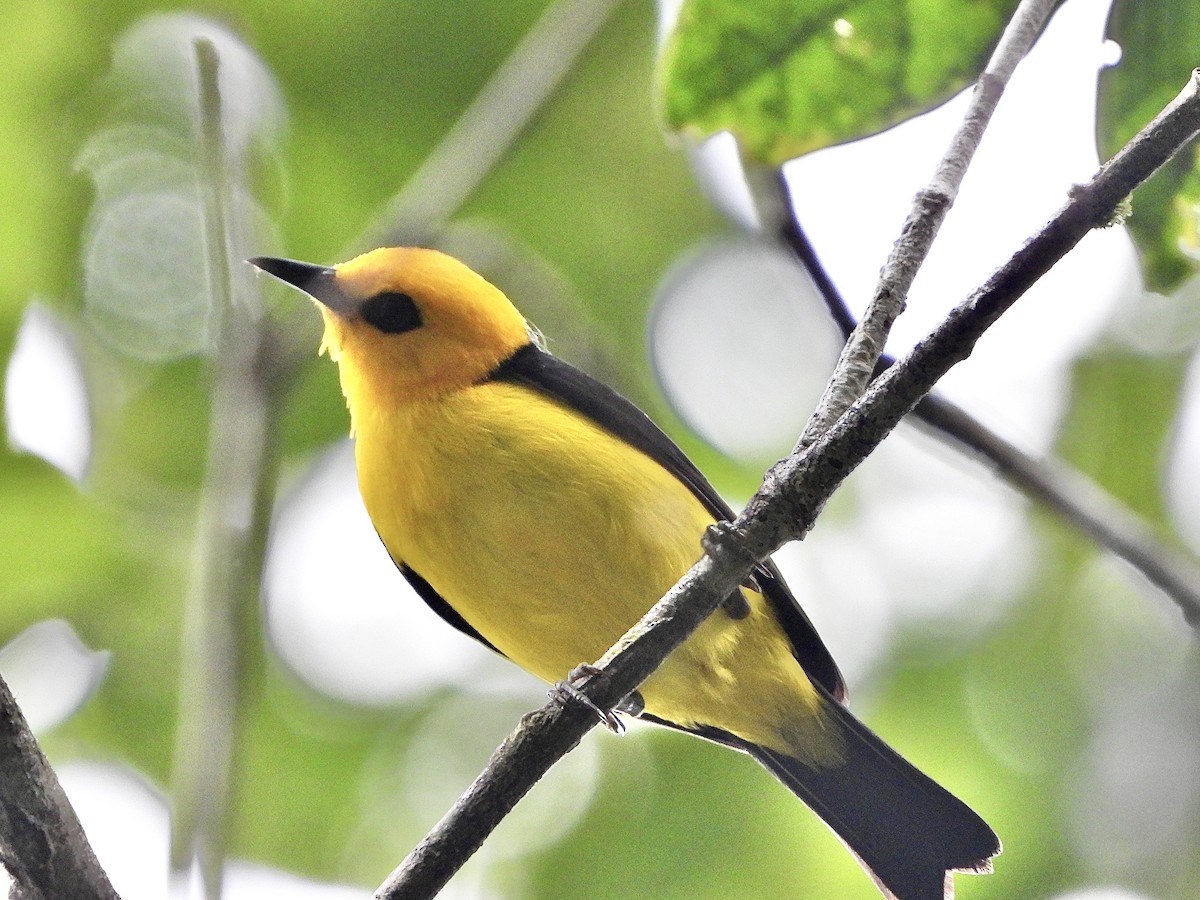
(1159, 44)
(788, 77)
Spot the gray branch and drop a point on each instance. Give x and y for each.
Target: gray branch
(42, 844)
(487, 129)
(1078, 500)
(864, 346)
(234, 517)
(784, 509)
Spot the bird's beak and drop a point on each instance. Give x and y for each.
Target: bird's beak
(319, 282)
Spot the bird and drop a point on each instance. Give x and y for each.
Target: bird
(538, 511)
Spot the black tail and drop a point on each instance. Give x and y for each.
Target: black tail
(908, 831)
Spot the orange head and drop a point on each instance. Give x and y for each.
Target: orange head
(405, 323)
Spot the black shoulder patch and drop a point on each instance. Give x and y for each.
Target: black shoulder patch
(538, 370)
(548, 374)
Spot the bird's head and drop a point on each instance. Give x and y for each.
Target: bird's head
(406, 323)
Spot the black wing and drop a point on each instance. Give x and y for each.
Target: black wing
(438, 604)
(534, 368)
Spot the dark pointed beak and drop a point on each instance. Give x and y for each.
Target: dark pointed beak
(319, 282)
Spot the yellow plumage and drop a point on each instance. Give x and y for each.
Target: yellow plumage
(552, 537)
(535, 509)
(549, 535)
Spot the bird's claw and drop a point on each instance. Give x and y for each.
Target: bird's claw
(725, 537)
(736, 606)
(568, 689)
(722, 536)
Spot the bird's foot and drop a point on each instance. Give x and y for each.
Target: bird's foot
(568, 689)
(633, 705)
(725, 537)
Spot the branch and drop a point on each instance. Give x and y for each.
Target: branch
(894, 393)
(864, 346)
(493, 121)
(42, 843)
(783, 509)
(1076, 498)
(231, 532)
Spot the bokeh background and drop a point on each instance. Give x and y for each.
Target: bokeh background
(999, 650)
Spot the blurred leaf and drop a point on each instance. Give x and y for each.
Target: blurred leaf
(54, 541)
(667, 798)
(788, 78)
(153, 80)
(146, 281)
(1132, 399)
(290, 738)
(1158, 51)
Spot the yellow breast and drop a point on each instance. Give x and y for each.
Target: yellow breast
(551, 538)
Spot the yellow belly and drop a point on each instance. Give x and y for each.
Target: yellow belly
(552, 538)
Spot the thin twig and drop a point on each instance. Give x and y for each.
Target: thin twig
(785, 507)
(232, 526)
(863, 348)
(42, 844)
(1089, 206)
(1078, 500)
(493, 121)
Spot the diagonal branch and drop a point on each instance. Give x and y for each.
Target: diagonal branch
(42, 844)
(487, 129)
(785, 507)
(1075, 497)
(866, 341)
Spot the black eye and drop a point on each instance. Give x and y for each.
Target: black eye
(392, 312)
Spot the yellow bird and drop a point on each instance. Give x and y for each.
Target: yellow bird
(542, 513)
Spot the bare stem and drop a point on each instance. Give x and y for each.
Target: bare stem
(1079, 500)
(864, 346)
(493, 121)
(230, 533)
(784, 508)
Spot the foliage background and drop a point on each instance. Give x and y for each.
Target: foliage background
(1068, 715)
